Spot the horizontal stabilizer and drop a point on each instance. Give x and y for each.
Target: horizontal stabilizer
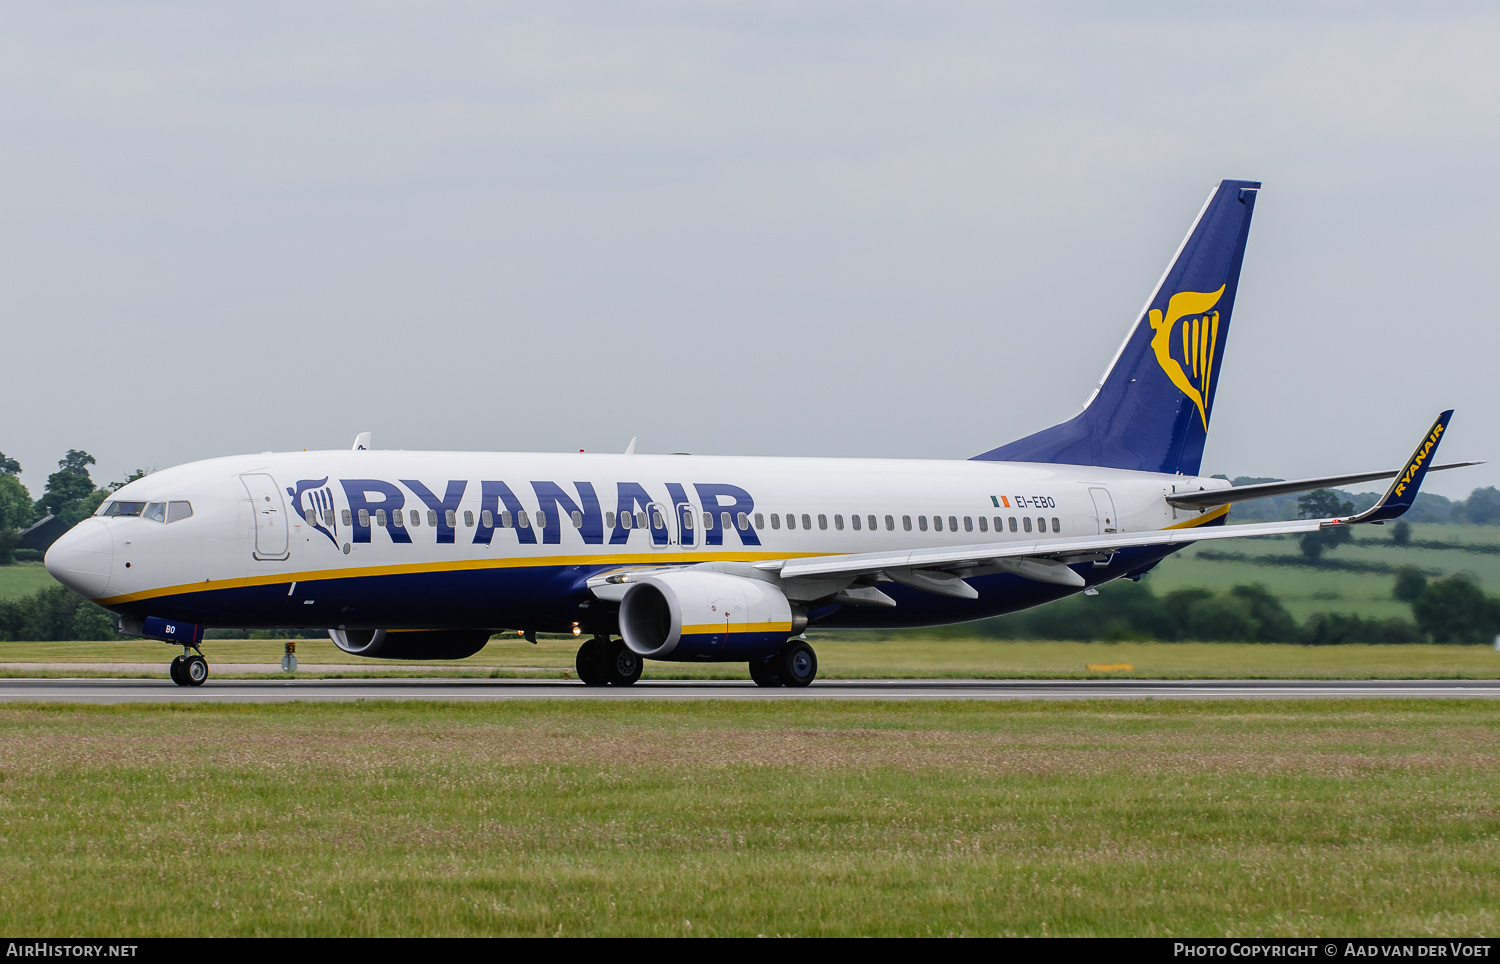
(1265, 490)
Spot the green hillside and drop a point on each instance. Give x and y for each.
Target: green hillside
(1354, 578)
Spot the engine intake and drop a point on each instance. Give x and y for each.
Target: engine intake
(707, 616)
(410, 643)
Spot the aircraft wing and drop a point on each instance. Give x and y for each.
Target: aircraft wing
(942, 569)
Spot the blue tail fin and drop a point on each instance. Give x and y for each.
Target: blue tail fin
(1152, 408)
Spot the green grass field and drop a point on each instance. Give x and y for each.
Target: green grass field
(856, 656)
(24, 579)
(1145, 818)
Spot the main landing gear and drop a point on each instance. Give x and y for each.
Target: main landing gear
(607, 662)
(189, 669)
(795, 665)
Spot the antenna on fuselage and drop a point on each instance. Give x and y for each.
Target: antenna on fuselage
(630, 449)
(362, 442)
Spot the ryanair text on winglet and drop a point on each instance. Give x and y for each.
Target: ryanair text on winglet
(1415, 464)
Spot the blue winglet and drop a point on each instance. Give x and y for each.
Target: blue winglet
(1403, 491)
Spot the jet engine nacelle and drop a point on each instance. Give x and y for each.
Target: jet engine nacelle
(410, 643)
(708, 616)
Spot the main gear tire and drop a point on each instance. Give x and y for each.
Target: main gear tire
(764, 672)
(797, 664)
(622, 665)
(588, 664)
(175, 670)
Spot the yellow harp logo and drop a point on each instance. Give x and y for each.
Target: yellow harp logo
(1200, 338)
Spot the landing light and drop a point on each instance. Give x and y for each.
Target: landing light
(576, 630)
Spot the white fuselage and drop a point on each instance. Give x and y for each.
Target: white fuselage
(311, 539)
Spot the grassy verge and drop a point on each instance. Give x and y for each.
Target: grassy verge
(1160, 818)
(859, 656)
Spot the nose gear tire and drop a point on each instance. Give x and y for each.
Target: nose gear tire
(195, 670)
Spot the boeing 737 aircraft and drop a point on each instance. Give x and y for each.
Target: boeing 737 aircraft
(426, 555)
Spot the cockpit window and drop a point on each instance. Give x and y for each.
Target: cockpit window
(154, 511)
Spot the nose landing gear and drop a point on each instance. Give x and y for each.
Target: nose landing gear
(189, 669)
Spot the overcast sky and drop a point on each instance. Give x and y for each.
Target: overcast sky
(852, 229)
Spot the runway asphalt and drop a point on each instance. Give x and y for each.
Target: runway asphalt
(277, 691)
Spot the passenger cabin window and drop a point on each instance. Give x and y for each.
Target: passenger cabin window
(760, 520)
(416, 519)
(889, 523)
(775, 521)
(155, 512)
(1013, 524)
(577, 518)
(1041, 524)
(1056, 525)
(984, 524)
(487, 519)
(327, 516)
(380, 517)
(659, 521)
(953, 524)
(364, 518)
(1026, 523)
(626, 520)
(468, 519)
(397, 519)
(937, 523)
(523, 521)
(346, 518)
(541, 519)
(853, 520)
(806, 521)
(838, 522)
(451, 518)
(609, 519)
(743, 521)
(906, 521)
(505, 518)
(724, 521)
(791, 521)
(822, 521)
(432, 518)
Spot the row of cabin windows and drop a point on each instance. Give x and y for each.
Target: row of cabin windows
(741, 521)
(873, 523)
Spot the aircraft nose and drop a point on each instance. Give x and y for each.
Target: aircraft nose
(81, 559)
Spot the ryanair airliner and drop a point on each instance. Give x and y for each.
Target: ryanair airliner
(426, 555)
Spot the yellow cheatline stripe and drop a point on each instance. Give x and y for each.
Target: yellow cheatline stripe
(466, 565)
(1204, 519)
(710, 628)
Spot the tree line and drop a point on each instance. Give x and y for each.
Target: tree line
(70, 495)
(1449, 610)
